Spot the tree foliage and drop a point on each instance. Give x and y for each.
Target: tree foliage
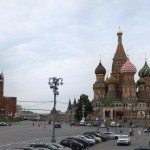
(88, 108)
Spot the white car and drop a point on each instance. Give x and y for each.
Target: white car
(111, 135)
(82, 123)
(124, 139)
(103, 125)
(89, 124)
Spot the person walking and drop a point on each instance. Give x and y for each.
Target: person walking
(44, 125)
(121, 132)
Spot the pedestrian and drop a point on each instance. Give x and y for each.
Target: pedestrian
(44, 125)
(139, 132)
(130, 131)
(120, 132)
(116, 131)
(33, 124)
(99, 130)
(107, 129)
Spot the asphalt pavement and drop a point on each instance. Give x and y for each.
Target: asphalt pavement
(22, 134)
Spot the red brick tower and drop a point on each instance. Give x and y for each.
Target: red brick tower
(118, 60)
(99, 86)
(7, 104)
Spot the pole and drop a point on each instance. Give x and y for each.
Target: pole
(83, 112)
(54, 83)
(54, 112)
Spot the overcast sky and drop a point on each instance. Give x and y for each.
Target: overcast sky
(40, 39)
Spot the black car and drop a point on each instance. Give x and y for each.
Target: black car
(57, 125)
(72, 144)
(147, 130)
(80, 140)
(143, 148)
(41, 145)
(24, 148)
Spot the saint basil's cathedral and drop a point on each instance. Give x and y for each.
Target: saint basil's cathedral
(120, 96)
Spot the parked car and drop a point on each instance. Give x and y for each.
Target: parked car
(113, 124)
(27, 148)
(89, 124)
(92, 141)
(146, 130)
(80, 140)
(90, 136)
(97, 134)
(124, 139)
(5, 124)
(57, 125)
(72, 144)
(43, 145)
(82, 123)
(143, 148)
(103, 125)
(112, 135)
(60, 147)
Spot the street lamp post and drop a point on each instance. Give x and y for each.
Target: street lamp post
(99, 113)
(83, 111)
(54, 83)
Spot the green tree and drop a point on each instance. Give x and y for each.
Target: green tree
(83, 102)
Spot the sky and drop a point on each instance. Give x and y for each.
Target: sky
(66, 39)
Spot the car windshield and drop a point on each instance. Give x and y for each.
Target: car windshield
(123, 136)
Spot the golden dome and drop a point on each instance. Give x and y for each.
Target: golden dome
(119, 31)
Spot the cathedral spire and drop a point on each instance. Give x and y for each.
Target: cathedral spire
(120, 53)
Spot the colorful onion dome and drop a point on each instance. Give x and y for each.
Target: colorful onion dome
(145, 71)
(128, 67)
(100, 69)
(119, 32)
(111, 80)
(140, 81)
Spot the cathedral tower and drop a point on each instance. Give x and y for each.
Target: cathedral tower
(128, 85)
(99, 86)
(118, 60)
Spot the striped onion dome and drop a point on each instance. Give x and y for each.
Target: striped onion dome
(128, 67)
(140, 81)
(145, 71)
(111, 80)
(100, 69)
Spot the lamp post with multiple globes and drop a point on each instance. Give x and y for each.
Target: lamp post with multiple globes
(54, 82)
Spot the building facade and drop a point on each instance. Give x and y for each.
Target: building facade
(7, 104)
(120, 96)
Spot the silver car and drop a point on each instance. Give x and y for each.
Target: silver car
(124, 139)
(111, 135)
